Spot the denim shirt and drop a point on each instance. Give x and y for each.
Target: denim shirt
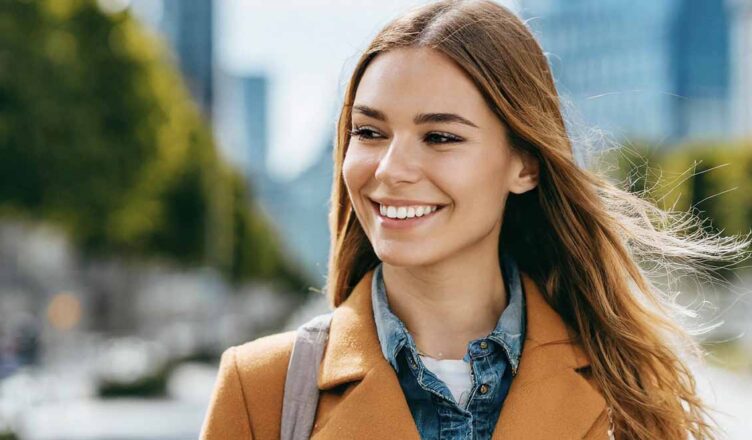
(494, 360)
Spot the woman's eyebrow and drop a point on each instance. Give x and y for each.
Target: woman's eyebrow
(422, 118)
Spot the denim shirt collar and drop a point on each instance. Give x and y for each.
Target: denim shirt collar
(509, 330)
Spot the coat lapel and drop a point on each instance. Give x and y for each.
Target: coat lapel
(376, 407)
(547, 399)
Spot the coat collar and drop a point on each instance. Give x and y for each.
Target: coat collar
(546, 390)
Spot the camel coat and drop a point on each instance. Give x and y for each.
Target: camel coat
(552, 396)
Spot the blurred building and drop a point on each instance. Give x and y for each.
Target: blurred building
(256, 118)
(187, 25)
(298, 207)
(309, 197)
(241, 121)
(701, 68)
(741, 54)
(658, 71)
(240, 114)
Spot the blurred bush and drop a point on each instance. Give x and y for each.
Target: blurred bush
(714, 180)
(7, 435)
(98, 133)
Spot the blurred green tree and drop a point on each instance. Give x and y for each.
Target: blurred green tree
(99, 134)
(713, 179)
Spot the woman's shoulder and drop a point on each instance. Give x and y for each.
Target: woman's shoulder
(263, 354)
(247, 396)
(260, 364)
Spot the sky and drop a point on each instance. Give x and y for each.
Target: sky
(308, 49)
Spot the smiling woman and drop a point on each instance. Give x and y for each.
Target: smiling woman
(433, 141)
(483, 285)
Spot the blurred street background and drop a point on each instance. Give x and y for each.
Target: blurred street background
(165, 169)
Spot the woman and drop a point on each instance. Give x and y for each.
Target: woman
(483, 285)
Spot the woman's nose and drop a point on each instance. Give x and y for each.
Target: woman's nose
(399, 163)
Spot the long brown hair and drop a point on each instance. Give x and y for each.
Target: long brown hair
(577, 235)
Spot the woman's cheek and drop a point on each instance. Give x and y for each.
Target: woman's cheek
(357, 165)
(349, 165)
(355, 172)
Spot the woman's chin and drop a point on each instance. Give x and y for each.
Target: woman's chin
(405, 255)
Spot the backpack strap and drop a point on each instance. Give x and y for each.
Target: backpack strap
(301, 390)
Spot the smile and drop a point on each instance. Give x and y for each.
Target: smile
(403, 217)
(402, 212)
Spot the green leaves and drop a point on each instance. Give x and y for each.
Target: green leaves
(98, 133)
(712, 178)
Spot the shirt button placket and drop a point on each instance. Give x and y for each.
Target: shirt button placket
(412, 363)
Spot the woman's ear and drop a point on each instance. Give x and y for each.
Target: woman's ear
(525, 173)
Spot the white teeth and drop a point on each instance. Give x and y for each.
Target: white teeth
(402, 212)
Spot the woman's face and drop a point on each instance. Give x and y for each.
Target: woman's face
(424, 137)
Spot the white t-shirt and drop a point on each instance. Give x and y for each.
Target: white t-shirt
(455, 373)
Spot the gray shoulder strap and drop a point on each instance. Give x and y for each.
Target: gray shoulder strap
(301, 393)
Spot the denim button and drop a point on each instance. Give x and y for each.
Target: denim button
(483, 345)
(483, 389)
(412, 363)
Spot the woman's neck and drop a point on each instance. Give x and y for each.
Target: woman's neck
(445, 306)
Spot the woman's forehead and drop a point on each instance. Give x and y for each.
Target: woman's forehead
(418, 80)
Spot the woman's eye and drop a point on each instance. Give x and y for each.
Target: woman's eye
(362, 133)
(441, 138)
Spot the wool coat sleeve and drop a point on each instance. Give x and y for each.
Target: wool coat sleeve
(227, 416)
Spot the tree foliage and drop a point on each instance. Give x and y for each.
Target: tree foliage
(712, 179)
(98, 133)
